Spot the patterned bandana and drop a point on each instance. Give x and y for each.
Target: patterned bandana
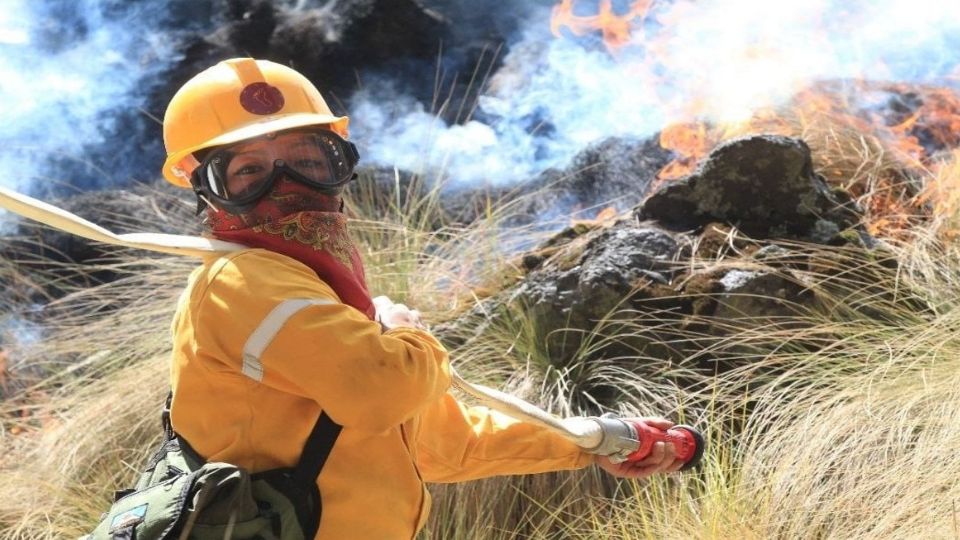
(302, 223)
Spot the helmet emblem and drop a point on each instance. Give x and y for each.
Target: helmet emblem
(261, 98)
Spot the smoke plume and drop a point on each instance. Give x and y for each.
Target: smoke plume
(77, 75)
(709, 60)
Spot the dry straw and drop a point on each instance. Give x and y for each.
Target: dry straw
(843, 425)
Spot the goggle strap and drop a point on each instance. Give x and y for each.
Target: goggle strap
(354, 153)
(202, 201)
(209, 203)
(195, 182)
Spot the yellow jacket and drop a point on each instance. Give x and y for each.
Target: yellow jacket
(261, 346)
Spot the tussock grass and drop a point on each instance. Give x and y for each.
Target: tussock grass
(58, 477)
(838, 421)
(841, 429)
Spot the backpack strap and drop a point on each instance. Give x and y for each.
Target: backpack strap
(299, 483)
(315, 451)
(165, 417)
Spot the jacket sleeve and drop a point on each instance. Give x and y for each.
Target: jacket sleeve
(458, 443)
(276, 323)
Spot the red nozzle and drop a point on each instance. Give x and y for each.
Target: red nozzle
(687, 443)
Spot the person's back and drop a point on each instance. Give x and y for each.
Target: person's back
(255, 408)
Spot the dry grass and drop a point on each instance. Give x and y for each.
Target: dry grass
(840, 426)
(844, 429)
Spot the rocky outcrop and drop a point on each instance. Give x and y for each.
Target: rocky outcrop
(586, 279)
(724, 249)
(764, 185)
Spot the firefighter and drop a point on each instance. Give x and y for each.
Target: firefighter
(271, 338)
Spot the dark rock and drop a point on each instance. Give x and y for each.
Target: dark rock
(760, 295)
(578, 289)
(706, 300)
(765, 185)
(531, 261)
(773, 253)
(719, 240)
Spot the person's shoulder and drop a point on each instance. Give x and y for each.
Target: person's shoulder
(256, 260)
(261, 272)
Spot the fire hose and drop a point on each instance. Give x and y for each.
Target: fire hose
(618, 438)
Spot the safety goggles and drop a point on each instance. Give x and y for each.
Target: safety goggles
(235, 177)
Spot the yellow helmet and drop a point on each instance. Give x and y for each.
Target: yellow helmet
(235, 100)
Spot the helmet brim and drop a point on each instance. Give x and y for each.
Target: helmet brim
(268, 124)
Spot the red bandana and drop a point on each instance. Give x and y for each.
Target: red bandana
(301, 223)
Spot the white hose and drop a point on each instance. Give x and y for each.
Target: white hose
(581, 431)
(58, 218)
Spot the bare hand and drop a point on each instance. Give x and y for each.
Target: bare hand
(662, 458)
(392, 315)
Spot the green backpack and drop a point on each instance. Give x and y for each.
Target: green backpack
(180, 496)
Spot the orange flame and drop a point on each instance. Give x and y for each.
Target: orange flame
(872, 139)
(687, 140)
(936, 120)
(875, 152)
(616, 29)
(604, 218)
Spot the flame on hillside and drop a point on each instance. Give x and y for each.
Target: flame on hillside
(689, 142)
(869, 137)
(604, 218)
(617, 28)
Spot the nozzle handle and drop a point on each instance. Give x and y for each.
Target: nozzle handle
(688, 443)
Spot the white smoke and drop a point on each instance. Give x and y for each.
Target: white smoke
(66, 67)
(18, 332)
(716, 60)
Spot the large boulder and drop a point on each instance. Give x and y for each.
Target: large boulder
(765, 185)
(585, 280)
(714, 254)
